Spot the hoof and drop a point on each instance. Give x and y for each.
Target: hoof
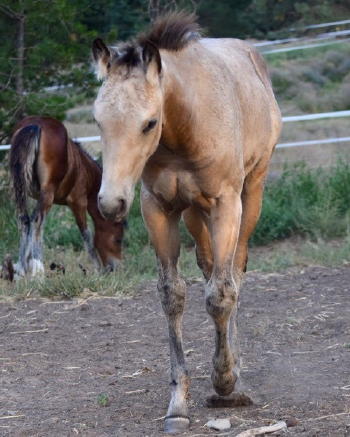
(176, 424)
(223, 384)
(232, 401)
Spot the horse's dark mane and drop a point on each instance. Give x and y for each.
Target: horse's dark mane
(86, 154)
(172, 32)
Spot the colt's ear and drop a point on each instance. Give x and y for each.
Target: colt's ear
(102, 57)
(151, 60)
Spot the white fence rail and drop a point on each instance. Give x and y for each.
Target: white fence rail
(321, 37)
(313, 142)
(317, 116)
(318, 26)
(305, 46)
(287, 119)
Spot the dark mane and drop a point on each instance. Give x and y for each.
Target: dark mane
(86, 154)
(173, 31)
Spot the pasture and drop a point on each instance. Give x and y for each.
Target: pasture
(86, 353)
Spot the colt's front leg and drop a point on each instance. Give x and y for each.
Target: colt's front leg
(164, 234)
(79, 212)
(222, 292)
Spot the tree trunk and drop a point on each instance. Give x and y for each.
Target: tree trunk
(20, 55)
(20, 66)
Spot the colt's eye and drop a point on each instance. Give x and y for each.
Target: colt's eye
(149, 126)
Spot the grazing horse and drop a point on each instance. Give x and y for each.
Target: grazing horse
(197, 120)
(48, 166)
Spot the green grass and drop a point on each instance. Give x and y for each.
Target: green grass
(314, 80)
(312, 205)
(60, 227)
(298, 253)
(278, 59)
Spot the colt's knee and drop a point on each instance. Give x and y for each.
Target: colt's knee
(172, 294)
(221, 297)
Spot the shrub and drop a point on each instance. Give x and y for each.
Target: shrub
(309, 202)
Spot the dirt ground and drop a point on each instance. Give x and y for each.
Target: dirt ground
(99, 366)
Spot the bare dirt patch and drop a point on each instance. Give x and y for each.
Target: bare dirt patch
(99, 366)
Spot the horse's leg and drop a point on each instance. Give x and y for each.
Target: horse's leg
(222, 292)
(22, 266)
(252, 195)
(79, 212)
(36, 230)
(198, 227)
(164, 234)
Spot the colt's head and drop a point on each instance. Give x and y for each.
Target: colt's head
(128, 110)
(108, 243)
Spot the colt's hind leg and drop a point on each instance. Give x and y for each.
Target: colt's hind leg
(198, 227)
(22, 266)
(252, 195)
(163, 230)
(222, 293)
(36, 232)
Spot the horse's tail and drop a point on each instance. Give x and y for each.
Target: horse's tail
(23, 154)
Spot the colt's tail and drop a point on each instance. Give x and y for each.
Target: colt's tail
(23, 155)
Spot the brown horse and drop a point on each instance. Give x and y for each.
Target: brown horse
(50, 167)
(197, 120)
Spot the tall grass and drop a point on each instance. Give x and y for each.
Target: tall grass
(309, 202)
(301, 202)
(312, 80)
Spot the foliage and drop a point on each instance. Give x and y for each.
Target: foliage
(103, 400)
(266, 19)
(313, 203)
(113, 19)
(315, 81)
(47, 47)
(300, 252)
(272, 19)
(303, 201)
(47, 44)
(223, 18)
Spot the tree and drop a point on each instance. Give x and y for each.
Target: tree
(271, 19)
(115, 19)
(45, 45)
(223, 18)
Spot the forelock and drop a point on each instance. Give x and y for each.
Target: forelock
(172, 32)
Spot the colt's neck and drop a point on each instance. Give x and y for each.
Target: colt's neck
(177, 110)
